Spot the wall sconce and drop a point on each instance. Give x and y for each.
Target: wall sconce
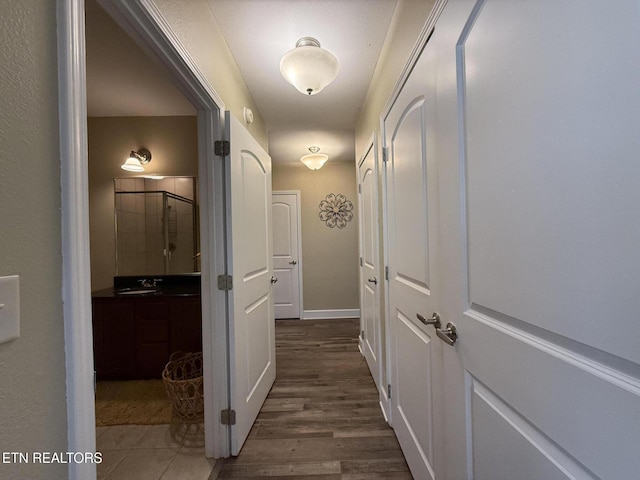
(314, 160)
(308, 67)
(136, 160)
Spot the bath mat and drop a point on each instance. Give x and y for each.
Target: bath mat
(132, 402)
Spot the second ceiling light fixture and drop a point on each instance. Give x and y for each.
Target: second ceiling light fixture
(314, 160)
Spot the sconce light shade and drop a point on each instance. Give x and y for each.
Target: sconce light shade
(314, 160)
(132, 164)
(136, 160)
(308, 67)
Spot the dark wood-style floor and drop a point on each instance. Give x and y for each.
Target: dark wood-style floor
(322, 419)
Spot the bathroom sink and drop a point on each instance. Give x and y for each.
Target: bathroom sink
(135, 291)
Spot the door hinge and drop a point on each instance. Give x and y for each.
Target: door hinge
(95, 382)
(389, 391)
(228, 417)
(385, 152)
(386, 272)
(225, 282)
(361, 262)
(221, 148)
(362, 334)
(359, 188)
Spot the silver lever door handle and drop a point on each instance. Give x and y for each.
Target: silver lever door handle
(434, 320)
(373, 280)
(293, 262)
(274, 280)
(449, 335)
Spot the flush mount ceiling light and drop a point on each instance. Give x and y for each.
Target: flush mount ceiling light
(314, 160)
(136, 160)
(308, 67)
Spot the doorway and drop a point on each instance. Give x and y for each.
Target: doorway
(152, 32)
(144, 238)
(287, 254)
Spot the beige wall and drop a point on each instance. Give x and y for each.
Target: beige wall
(173, 143)
(404, 30)
(32, 368)
(197, 29)
(329, 255)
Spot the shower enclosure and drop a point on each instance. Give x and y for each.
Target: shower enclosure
(156, 233)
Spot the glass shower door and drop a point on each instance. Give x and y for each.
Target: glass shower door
(156, 233)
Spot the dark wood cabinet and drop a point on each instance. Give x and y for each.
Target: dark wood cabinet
(185, 317)
(114, 340)
(134, 337)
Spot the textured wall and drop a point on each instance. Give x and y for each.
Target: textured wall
(173, 143)
(197, 29)
(32, 369)
(408, 20)
(329, 255)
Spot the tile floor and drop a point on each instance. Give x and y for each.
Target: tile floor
(153, 452)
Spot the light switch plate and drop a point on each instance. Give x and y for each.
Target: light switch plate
(9, 308)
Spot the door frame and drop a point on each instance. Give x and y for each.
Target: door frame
(154, 34)
(298, 196)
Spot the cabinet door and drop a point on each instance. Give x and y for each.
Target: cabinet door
(185, 325)
(152, 337)
(114, 340)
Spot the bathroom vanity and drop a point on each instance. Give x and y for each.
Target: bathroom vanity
(141, 321)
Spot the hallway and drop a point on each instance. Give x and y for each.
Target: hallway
(321, 419)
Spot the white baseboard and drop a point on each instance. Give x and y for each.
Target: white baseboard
(331, 314)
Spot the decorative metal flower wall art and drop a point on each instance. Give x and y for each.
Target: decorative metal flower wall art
(336, 210)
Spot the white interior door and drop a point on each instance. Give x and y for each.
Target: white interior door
(538, 116)
(287, 257)
(370, 275)
(251, 322)
(414, 291)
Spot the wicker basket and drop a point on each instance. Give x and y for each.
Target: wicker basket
(182, 378)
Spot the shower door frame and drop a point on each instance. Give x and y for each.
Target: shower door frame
(166, 195)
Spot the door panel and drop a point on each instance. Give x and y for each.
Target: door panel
(411, 178)
(287, 254)
(370, 276)
(523, 451)
(566, 173)
(542, 275)
(408, 179)
(412, 395)
(251, 324)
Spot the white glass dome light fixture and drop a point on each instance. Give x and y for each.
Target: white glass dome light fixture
(314, 160)
(308, 67)
(136, 160)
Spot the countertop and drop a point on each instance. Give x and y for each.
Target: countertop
(187, 285)
(178, 291)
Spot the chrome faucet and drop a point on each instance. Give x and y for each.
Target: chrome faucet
(146, 283)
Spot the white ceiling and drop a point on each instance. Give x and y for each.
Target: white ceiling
(258, 33)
